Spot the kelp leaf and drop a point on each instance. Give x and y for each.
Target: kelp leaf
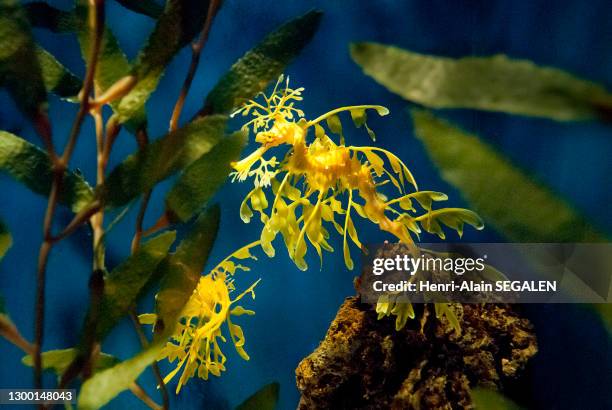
(203, 177)
(20, 72)
(521, 209)
(484, 399)
(112, 62)
(180, 21)
(59, 360)
(58, 79)
(104, 385)
(31, 166)
(510, 200)
(6, 240)
(124, 283)
(158, 160)
(495, 83)
(265, 398)
(253, 72)
(181, 274)
(147, 7)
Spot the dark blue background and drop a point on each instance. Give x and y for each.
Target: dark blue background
(294, 308)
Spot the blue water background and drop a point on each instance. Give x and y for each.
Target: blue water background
(294, 308)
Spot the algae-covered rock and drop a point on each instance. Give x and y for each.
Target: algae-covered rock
(364, 363)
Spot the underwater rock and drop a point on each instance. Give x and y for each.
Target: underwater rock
(364, 363)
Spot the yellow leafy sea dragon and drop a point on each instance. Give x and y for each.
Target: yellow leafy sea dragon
(196, 343)
(318, 180)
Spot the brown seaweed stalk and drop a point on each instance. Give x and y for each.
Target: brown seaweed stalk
(196, 50)
(96, 21)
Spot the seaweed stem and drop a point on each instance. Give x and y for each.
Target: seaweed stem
(140, 220)
(96, 21)
(196, 50)
(139, 392)
(143, 139)
(97, 219)
(112, 131)
(77, 221)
